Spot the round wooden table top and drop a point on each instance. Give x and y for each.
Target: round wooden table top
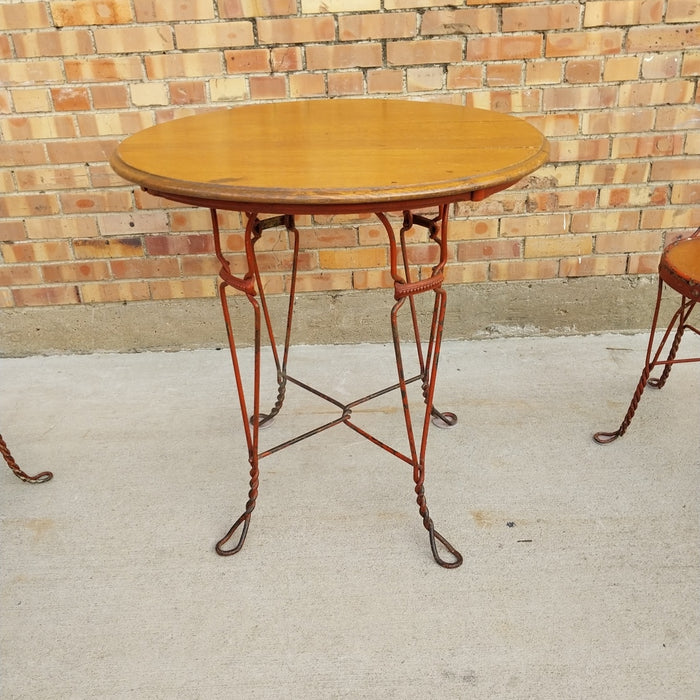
(331, 155)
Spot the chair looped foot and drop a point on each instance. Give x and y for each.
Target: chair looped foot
(606, 438)
(40, 478)
(435, 535)
(245, 520)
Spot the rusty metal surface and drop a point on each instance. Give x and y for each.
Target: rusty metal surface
(405, 289)
(683, 281)
(17, 470)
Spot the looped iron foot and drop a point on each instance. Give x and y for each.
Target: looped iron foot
(606, 438)
(445, 419)
(435, 537)
(245, 520)
(17, 471)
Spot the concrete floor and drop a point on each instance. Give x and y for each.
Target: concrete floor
(581, 573)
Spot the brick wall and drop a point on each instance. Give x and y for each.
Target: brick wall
(612, 83)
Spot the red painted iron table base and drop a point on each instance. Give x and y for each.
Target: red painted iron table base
(405, 290)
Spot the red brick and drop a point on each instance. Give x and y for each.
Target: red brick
(75, 272)
(509, 47)
(674, 169)
(46, 296)
(541, 225)
(104, 69)
(88, 201)
(340, 56)
(268, 87)
(37, 128)
(464, 76)
(20, 275)
(185, 92)
(592, 266)
(452, 22)
(349, 83)
(134, 39)
(650, 146)
(613, 173)
(186, 65)
(424, 79)
(682, 11)
(604, 221)
(394, 25)
(660, 67)
(542, 72)
(627, 242)
(29, 205)
(31, 72)
(287, 58)
(12, 230)
(54, 43)
(584, 71)
(157, 11)
(72, 177)
(591, 43)
(94, 293)
(213, 34)
(24, 15)
(303, 30)
(686, 193)
(564, 15)
(307, 85)
(132, 223)
(87, 12)
(256, 8)
(5, 47)
(523, 270)
(569, 98)
(622, 12)
(507, 101)
(424, 51)
(109, 96)
(81, 151)
(618, 121)
(489, 250)
(22, 153)
(657, 93)
(38, 251)
(179, 245)
(137, 268)
(504, 74)
(68, 99)
(108, 247)
(384, 81)
(41, 228)
(670, 38)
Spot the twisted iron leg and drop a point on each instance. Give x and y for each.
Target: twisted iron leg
(405, 288)
(18, 472)
(652, 360)
(418, 458)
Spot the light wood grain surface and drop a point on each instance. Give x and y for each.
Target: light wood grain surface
(350, 154)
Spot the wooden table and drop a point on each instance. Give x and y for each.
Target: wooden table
(277, 160)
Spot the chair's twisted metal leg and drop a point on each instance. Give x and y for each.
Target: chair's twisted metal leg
(652, 360)
(17, 470)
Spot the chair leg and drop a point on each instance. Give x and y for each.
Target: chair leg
(603, 438)
(16, 469)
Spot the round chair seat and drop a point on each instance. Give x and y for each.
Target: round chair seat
(680, 267)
